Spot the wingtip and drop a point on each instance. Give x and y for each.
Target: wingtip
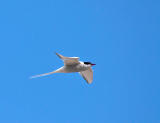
(36, 76)
(57, 53)
(89, 82)
(31, 77)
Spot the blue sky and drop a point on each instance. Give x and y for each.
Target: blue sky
(120, 36)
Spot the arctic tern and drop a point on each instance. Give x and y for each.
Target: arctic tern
(72, 64)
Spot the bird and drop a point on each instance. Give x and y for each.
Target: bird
(71, 65)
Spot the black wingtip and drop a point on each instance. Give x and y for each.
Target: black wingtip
(57, 54)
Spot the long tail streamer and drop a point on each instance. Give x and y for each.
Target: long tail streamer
(42, 75)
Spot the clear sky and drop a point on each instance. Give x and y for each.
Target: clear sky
(122, 37)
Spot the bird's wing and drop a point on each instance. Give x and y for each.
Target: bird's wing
(69, 60)
(87, 75)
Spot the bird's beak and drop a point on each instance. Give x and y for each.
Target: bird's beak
(93, 64)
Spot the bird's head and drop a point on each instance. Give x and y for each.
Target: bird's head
(89, 63)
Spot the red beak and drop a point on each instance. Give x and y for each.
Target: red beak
(93, 64)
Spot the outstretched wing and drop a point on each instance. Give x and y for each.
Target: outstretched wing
(87, 75)
(69, 60)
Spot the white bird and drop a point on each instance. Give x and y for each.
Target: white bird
(72, 64)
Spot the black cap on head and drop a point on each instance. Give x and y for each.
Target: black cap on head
(87, 63)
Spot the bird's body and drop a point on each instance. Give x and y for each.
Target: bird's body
(73, 68)
(72, 64)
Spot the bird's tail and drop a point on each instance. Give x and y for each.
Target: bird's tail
(44, 74)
